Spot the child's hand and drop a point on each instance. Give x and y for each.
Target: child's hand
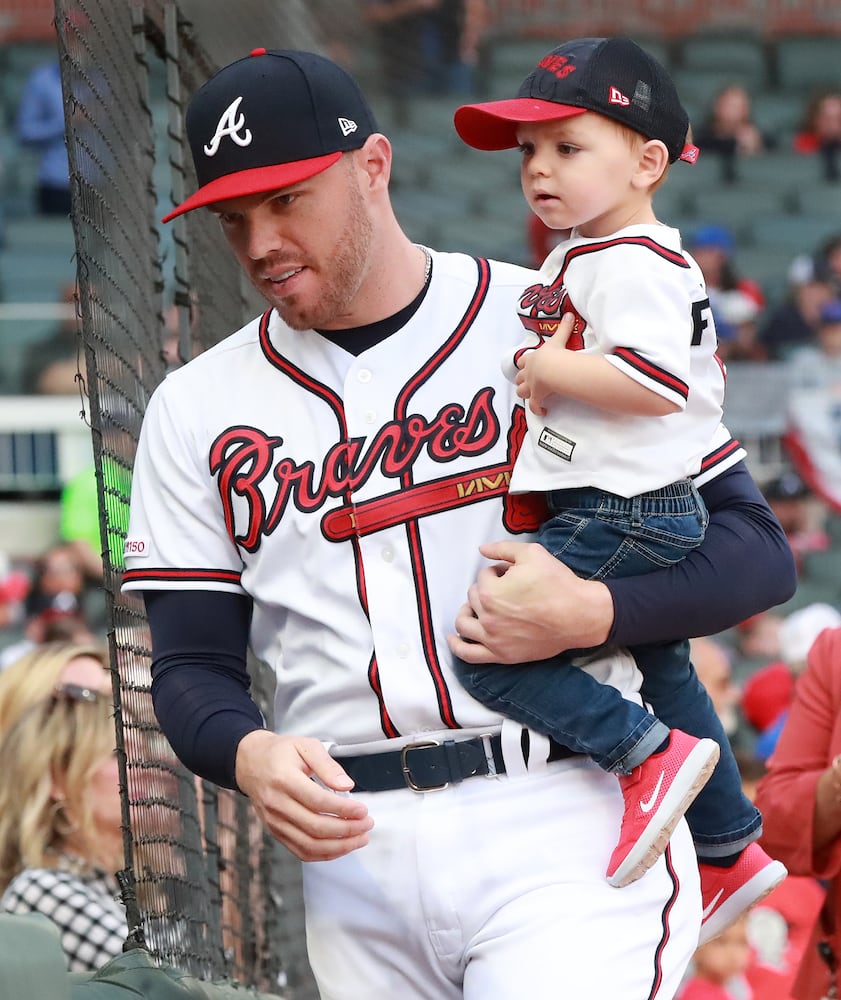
(537, 376)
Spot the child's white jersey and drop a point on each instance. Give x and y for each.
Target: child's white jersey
(640, 300)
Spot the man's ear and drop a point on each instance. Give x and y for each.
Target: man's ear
(374, 158)
(653, 161)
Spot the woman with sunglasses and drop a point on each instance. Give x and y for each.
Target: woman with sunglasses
(60, 817)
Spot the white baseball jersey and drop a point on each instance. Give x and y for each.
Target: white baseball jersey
(640, 301)
(348, 496)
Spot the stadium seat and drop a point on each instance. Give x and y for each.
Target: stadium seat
(697, 88)
(755, 412)
(516, 57)
(797, 233)
(737, 206)
(806, 63)
(34, 275)
(694, 179)
(780, 168)
(821, 199)
(41, 232)
(777, 113)
(672, 203)
(731, 56)
(824, 568)
(769, 265)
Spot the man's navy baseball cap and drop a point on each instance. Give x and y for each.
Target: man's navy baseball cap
(273, 118)
(611, 76)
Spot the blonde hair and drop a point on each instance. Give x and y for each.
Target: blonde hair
(52, 740)
(33, 676)
(634, 140)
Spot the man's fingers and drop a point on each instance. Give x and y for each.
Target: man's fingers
(503, 551)
(306, 849)
(317, 837)
(326, 768)
(467, 623)
(469, 650)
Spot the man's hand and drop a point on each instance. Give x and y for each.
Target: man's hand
(539, 374)
(529, 606)
(315, 823)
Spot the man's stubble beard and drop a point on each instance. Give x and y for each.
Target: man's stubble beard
(341, 276)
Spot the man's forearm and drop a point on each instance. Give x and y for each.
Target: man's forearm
(743, 566)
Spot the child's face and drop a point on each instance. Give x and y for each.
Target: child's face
(726, 956)
(584, 172)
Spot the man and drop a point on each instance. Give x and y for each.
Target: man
(319, 484)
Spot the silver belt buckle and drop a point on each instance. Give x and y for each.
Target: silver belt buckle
(407, 772)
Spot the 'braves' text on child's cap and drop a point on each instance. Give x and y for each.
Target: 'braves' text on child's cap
(273, 118)
(612, 76)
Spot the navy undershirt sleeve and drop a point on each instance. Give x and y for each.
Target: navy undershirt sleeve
(200, 681)
(743, 566)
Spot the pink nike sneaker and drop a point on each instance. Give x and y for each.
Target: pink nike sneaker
(657, 794)
(727, 892)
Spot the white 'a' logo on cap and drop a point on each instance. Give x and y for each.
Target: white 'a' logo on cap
(347, 126)
(230, 124)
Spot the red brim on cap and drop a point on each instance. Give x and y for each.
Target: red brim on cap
(254, 181)
(494, 125)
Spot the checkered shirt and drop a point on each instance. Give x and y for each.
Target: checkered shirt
(81, 902)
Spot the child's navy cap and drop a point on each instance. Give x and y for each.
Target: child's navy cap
(611, 76)
(273, 118)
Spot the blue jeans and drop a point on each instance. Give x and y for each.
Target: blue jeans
(600, 535)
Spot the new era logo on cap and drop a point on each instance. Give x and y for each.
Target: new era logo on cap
(617, 97)
(274, 118)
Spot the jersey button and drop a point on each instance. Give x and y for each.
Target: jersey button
(388, 554)
(403, 650)
(370, 417)
(363, 375)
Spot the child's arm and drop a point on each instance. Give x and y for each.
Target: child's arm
(589, 378)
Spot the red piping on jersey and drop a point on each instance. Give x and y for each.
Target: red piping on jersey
(182, 575)
(720, 454)
(657, 980)
(673, 256)
(646, 242)
(412, 528)
(652, 371)
(632, 358)
(337, 406)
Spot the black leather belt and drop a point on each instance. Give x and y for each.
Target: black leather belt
(431, 765)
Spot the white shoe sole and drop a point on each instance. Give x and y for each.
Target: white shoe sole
(746, 896)
(694, 773)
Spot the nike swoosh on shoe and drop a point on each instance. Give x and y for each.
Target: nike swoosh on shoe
(712, 904)
(648, 805)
